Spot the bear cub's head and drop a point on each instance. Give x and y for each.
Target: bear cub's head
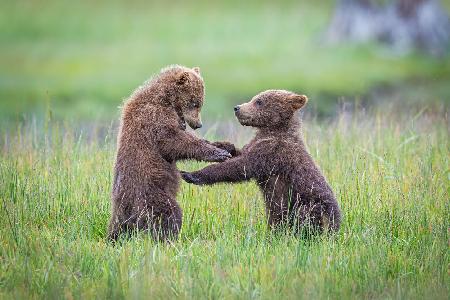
(187, 91)
(191, 92)
(270, 109)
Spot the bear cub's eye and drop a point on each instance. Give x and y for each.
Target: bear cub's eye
(259, 102)
(194, 105)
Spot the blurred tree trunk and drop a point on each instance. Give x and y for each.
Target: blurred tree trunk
(402, 24)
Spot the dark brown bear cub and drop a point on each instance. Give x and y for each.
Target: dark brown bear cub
(151, 139)
(295, 191)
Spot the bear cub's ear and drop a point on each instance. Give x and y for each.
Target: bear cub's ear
(297, 101)
(182, 78)
(196, 70)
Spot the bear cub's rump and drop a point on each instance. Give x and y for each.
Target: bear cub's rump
(152, 137)
(295, 191)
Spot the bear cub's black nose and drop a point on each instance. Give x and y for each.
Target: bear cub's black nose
(236, 108)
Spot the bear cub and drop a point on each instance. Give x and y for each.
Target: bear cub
(296, 193)
(152, 137)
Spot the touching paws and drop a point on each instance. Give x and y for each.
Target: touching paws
(220, 155)
(190, 178)
(229, 147)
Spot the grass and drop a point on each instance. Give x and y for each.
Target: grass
(388, 166)
(390, 173)
(86, 61)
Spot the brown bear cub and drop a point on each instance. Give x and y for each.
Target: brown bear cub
(295, 191)
(151, 139)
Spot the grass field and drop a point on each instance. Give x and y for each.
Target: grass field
(65, 67)
(85, 57)
(390, 174)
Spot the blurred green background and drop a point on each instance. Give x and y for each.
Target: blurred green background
(83, 58)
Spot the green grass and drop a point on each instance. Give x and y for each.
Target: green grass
(389, 167)
(390, 173)
(85, 57)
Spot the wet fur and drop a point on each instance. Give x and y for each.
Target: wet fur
(152, 137)
(295, 191)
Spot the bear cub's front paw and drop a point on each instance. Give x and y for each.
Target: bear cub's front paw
(229, 147)
(190, 178)
(219, 155)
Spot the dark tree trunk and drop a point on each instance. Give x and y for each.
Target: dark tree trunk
(402, 24)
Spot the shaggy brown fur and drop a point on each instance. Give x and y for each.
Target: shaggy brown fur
(152, 138)
(295, 191)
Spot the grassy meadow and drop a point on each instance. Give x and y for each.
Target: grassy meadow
(84, 57)
(390, 175)
(377, 123)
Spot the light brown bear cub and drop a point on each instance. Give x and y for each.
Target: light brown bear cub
(295, 191)
(151, 139)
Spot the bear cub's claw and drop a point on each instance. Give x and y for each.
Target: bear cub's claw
(229, 147)
(220, 155)
(190, 178)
